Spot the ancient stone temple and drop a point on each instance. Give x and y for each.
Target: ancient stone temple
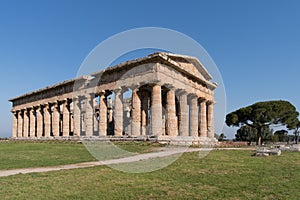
(162, 96)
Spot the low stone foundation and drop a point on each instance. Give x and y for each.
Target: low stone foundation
(184, 141)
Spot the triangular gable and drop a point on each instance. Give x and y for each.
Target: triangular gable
(190, 64)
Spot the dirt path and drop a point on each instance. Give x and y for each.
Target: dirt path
(135, 158)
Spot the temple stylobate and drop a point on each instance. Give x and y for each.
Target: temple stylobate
(162, 95)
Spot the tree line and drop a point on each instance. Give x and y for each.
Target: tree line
(254, 121)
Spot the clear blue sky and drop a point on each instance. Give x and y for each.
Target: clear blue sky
(255, 44)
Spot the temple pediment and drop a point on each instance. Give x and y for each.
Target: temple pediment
(190, 64)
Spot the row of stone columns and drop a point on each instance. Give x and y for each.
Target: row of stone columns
(36, 121)
(193, 116)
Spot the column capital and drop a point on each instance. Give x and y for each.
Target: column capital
(211, 102)
(156, 82)
(120, 90)
(102, 93)
(39, 108)
(65, 100)
(192, 96)
(54, 106)
(31, 108)
(135, 87)
(181, 92)
(202, 100)
(170, 87)
(89, 95)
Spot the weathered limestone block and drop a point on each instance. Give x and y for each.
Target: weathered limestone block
(268, 151)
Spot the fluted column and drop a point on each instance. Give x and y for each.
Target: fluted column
(20, 124)
(39, 125)
(66, 118)
(95, 119)
(55, 119)
(89, 115)
(102, 115)
(47, 120)
(136, 113)
(25, 123)
(15, 124)
(76, 116)
(171, 120)
(118, 113)
(156, 111)
(32, 122)
(193, 115)
(183, 115)
(203, 118)
(210, 119)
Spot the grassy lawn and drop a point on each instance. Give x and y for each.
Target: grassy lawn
(31, 154)
(221, 175)
(22, 154)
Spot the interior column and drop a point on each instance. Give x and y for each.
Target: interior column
(95, 118)
(144, 111)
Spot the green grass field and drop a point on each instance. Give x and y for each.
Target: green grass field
(223, 174)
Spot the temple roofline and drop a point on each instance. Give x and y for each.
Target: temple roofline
(154, 57)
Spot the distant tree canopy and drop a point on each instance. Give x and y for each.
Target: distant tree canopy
(249, 134)
(281, 135)
(297, 131)
(261, 115)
